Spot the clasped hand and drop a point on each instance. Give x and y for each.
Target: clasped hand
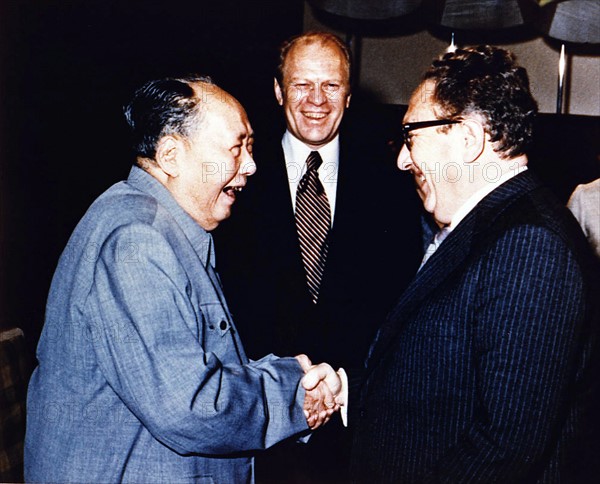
(323, 386)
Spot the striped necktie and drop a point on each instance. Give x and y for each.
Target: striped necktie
(313, 221)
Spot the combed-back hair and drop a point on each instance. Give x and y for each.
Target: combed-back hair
(323, 38)
(487, 81)
(162, 107)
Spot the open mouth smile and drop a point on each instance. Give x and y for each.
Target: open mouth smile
(316, 116)
(232, 191)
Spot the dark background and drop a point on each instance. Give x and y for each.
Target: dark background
(66, 69)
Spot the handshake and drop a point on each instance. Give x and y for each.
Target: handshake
(325, 391)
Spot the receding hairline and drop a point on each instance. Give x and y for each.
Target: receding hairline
(209, 97)
(214, 102)
(205, 93)
(323, 39)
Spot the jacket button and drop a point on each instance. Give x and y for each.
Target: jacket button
(223, 325)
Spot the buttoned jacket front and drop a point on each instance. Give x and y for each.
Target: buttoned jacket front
(142, 375)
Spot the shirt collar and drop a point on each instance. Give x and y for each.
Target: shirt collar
(200, 239)
(479, 195)
(296, 153)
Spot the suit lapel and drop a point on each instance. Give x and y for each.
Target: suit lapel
(276, 190)
(278, 231)
(442, 264)
(275, 200)
(340, 223)
(464, 241)
(342, 237)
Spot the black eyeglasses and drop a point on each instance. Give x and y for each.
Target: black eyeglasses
(408, 127)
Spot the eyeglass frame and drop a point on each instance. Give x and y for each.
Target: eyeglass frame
(408, 127)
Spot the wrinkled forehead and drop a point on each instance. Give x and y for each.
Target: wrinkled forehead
(312, 52)
(226, 117)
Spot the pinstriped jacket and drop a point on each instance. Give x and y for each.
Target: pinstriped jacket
(482, 372)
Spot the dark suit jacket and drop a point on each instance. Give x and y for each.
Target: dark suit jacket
(482, 371)
(374, 251)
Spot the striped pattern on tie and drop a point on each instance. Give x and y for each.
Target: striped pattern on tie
(313, 221)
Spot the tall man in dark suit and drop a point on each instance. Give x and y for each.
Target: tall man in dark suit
(327, 283)
(483, 370)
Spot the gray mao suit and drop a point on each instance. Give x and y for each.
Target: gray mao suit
(142, 375)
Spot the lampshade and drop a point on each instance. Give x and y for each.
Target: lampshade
(367, 10)
(575, 21)
(479, 14)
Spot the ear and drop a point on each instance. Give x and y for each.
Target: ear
(278, 92)
(168, 152)
(474, 139)
(348, 97)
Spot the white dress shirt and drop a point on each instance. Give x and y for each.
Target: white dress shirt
(296, 153)
(464, 210)
(480, 194)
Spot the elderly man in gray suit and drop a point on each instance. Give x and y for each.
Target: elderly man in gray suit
(142, 375)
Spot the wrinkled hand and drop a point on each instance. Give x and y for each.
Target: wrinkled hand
(322, 385)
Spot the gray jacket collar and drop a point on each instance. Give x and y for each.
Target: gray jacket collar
(200, 239)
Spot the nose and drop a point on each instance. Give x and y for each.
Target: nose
(404, 161)
(248, 166)
(316, 95)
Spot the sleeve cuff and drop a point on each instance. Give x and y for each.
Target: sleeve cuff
(343, 397)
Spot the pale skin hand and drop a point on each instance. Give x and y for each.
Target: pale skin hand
(322, 385)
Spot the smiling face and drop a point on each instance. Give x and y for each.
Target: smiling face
(213, 163)
(315, 92)
(435, 158)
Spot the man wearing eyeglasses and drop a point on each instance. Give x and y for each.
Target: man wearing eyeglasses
(484, 371)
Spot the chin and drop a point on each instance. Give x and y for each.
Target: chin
(315, 138)
(428, 204)
(223, 216)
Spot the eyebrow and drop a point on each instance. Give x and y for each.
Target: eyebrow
(428, 124)
(242, 136)
(303, 79)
